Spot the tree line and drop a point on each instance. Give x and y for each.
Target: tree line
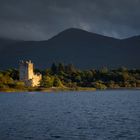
(60, 75)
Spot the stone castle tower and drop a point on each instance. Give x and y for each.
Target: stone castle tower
(26, 74)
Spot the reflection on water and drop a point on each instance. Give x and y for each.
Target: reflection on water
(70, 116)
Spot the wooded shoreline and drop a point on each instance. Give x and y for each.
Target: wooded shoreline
(60, 77)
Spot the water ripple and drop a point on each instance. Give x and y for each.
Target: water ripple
(84, 116)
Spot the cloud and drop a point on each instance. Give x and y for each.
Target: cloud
(42, 19)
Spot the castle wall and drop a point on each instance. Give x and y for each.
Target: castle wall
(23, 71)
(26, 74)
(30, 71)
(36, 79)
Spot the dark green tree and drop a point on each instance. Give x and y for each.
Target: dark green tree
(54, 68)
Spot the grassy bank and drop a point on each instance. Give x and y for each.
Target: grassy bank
(52, 89)
(56, 89)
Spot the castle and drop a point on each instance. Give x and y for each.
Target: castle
(27, 75)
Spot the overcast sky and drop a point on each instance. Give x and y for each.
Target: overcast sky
(42, 19)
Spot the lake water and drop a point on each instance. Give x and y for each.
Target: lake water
(99, 115)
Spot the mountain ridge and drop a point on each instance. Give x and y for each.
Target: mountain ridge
(82, 48)
(70, 29)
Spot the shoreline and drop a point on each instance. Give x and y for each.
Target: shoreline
(53, 89)
(56, 89)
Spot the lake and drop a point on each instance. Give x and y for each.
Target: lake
(99, 115)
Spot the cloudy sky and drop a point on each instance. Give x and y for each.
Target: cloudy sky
(42, 19)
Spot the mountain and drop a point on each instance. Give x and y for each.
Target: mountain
(82, 48)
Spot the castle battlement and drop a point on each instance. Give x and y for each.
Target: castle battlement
(27, 75)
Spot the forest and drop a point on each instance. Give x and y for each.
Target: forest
(69, 77)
